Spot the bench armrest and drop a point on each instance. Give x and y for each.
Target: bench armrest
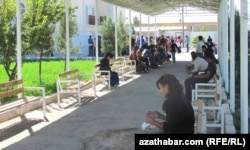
(82, 75)
(36, 88)
(43, 97)
(102, 71)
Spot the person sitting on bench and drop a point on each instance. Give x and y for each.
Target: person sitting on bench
(105, 65)
(202, 78)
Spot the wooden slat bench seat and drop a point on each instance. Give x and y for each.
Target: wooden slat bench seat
(210, 95)
(102, 75)
(70, 82)
(200, 117)
(15, 89)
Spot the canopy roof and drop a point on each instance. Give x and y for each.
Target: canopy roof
(157, 7)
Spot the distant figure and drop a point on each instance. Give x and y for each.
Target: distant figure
(209, 43)
(187, 43)
(173, 49)
(209, 39)
(99, 45)
(178, 43)
(199, 45)
(91, 44)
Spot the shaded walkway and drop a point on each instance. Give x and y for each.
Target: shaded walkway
(124, 108)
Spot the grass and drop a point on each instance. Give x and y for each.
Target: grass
(50, 71)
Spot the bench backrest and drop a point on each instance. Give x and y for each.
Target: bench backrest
(69, 75)
(11, 88)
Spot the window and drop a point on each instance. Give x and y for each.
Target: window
(90, 15)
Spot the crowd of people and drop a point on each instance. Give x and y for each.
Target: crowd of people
(150, 55)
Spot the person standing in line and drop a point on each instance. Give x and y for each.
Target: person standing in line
(178, 117)
(91, 44)
(173, 50)
(199, 46)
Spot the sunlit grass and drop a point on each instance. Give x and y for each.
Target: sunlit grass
(50, 71)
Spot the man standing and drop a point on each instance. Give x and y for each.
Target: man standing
(91, 44)
(199, 46)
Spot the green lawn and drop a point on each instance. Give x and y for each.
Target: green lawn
(50, 71)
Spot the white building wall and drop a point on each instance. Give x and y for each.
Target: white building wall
(85, 8)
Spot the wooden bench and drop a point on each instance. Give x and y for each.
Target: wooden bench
(200, 117)
(103, 75)
(15, 89)
(210, 94)
(131, 64)
(70, 82)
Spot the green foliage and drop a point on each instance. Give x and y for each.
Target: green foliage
(108, 34)
(204, 27)
(51, 69)
(136, 21)
(195, 40)
(122, 34)
(61, 34)
(38, 24)
(8, 38)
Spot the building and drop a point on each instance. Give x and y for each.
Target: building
(85, 17)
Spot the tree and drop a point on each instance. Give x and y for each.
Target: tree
(61, 34)
(108, 34)
(122, 35)
(136, 21)
(203, 27)
(38, 25)
(8, 37)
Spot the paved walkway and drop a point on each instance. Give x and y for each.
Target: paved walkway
(123, 108)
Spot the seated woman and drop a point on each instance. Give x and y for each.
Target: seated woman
(134, 55)
(179, 116)
(105, 65)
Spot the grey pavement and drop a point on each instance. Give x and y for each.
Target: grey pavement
(123, 108)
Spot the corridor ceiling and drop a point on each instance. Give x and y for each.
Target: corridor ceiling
(157, 7)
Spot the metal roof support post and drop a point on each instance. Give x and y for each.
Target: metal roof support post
(18, 44)
(232, 55)
(218, 33)
(183, 30)
(155, 32)
(225, 41)
(130, 32)
(140, 33)
(219, 38)
(67, 35)
(116, 33)
(244, 66)
(222, 40)
(148, 30)
(96, 33)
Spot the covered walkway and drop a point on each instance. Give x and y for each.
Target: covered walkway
(122, 109)
(225, 10)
